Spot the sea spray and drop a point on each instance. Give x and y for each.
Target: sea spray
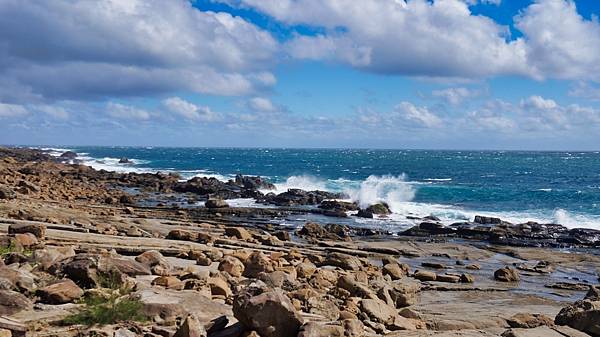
(393, 190)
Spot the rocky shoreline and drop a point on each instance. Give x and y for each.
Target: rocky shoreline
(96, 253)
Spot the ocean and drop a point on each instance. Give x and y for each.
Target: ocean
(549, 187)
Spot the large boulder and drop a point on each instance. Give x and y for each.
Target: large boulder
(344, 261)
(507, 274)
(269, 313)
(232, 265)
(582, 315)
(64, 291)
(257, 263)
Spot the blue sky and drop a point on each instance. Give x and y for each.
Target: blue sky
(467, 74)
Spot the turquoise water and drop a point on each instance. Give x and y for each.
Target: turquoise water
(544, 186)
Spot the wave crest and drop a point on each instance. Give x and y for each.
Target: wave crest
(393, 190)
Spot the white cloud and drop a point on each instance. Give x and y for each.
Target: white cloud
(190, 110)
(262, 104)
(150, 46)
(538, 103)
(12, 110)
(455, 96)
(121, 111)
(417, 116)
(54, 111)
(585, 90)
(560, 43)
(437, 39)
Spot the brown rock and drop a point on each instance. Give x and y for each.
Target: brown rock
(170, 282)
(233, 266)
(219, 287)
(507, 274)
(238, 232)
(395, 270)
(314, 329)
(181, 235)
(527, 320)
(271, 313)
(26, 240)
(378, 311)
(257, 263)
(64, 291)
(447, 278)
(344, 261)
(190, 327)
(39, 230)
(12, 302)
(423, 275)
(582, 315)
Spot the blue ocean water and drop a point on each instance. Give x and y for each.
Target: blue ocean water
(561, 187)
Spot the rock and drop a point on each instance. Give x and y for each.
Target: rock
(168, 304)
(257, 263)
(395, 270)
(190, 327)
(467, 278)
(219, 287)
(353, 328)
(182, 235)
(64, 291)
(12, 302)
(527, 320)
(39, 230)
(323, 307)
(18, 279)
(126, 266)
(69, 155)
(7, 193)
(381, 209)
(447, 278)
(582, 315)
(330, 231)
(151, 258)
(486, 220)
(124, 160)
(239, 233)
(215, 203)
(344, 261)
(170, 282)
(26, 240)
(378, 311)
(354, 287)
(124, 333)
(423, 275)
(305, 269)
(270, 313)
(314, 329)
(507, 274)
(83, 270)
(127, 199)
(433, 265)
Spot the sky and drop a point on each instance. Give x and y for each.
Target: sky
(438, 74)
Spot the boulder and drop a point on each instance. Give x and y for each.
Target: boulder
(238, 232)
(395, 270)
(182, 235)
(344, 261)
(378, 311)
(257, 263)
(12, 302)
(423, 275)
(582, 315)
(64, 291)
(270, 313)
(37, 229)
(233, 266)
(507, 274)
(7, 193)
(216, 203)
(190, 327)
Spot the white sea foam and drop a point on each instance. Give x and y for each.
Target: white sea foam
(393, 190)
(304, 182)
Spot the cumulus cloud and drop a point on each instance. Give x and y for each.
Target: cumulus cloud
(129, 48)
(190, 111)
(122, 111)
(560, 43)
(417, 116)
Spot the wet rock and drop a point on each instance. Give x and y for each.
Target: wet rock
(507, 274)
(215, 203)
(253, 183)
(380, 208)
(190, 327)
(69, 155)
(447, 278)
(486, 220)
(39, 230)
(337, 205)
(64, 291)
(12, 302)
(330, 231)
(270, 313)
(124, 160)
(582, 315)
(298, 197)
